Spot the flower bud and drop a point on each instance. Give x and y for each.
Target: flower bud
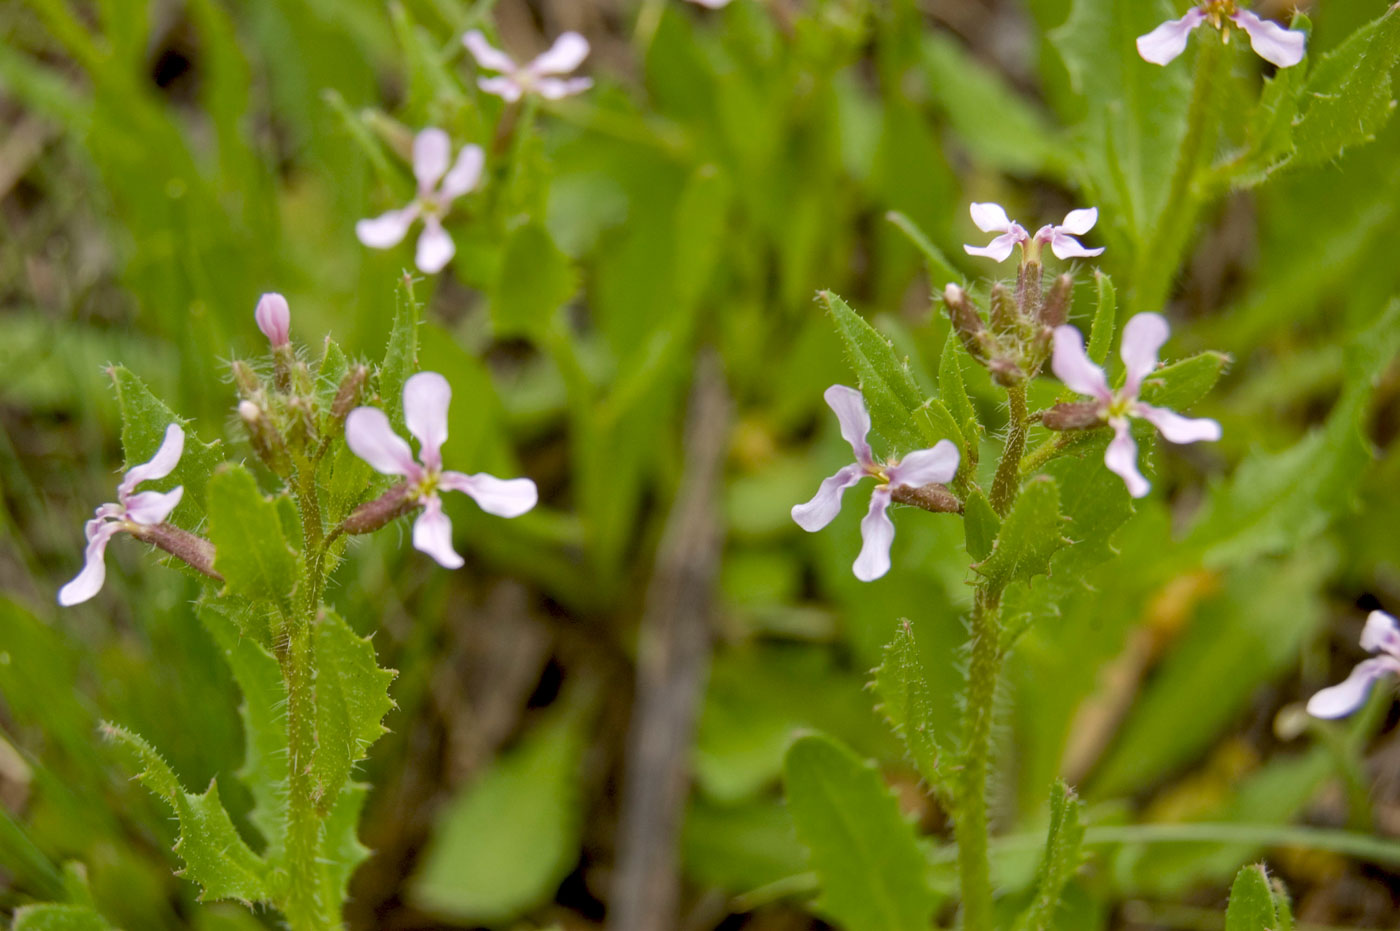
(347, 396)
(1006, 372)
(274, 318)
(1028, 290)
(1080, 415)
(1004, 316)
(935, 498)
(1055, 310)
(372, 515)
(247, 380)
(194, 551)
(966, 321)
(267, 441)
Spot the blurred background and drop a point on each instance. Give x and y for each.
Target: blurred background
(592, 714)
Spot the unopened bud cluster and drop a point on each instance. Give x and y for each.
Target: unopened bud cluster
(1016, 339)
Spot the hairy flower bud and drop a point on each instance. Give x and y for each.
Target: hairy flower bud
(372, 515)
(936, 498)
(1006, 372)
(274, 318)
(266, 440)
(1004, 316)
(347, 396)
(1055, 311)
(1080, 415)
(247, 380)
(1028, 290)
(966, 321)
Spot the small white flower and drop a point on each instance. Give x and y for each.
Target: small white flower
(992, 218)
(538, 76)
(431, 150)
(919, 468)
(1381, 635)
(1270, 41)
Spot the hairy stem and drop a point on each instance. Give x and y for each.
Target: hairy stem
(1008, 477)
(303, 909)
(971, 823)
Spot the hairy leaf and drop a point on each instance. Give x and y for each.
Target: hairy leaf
(246, 530)
(980, 524)
(1251, 905)
(901, 684)
(401, 355)
(144, 420)
(1181, 384)
(352, 698)
(1105, 319)
(1063, 850)
(1029, 536)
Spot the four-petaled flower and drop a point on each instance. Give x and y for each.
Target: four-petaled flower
(432, 150)
(130, 512)
(1270, 41)
(919, 468)
(1380, 635)
(425, 400)
(1142, 338)
(992, 218)
(539, 76)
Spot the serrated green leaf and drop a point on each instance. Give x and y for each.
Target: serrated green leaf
(345, 480)
(352, 698)
(246, 530)
(504, 844)
(215, 857)
(1029, 536)
(901, 684)
(535, 280)
(401, 355)
(1181, 384)
(870, 869)
(331, 372)
(50, 917)
(952, 388)
(1105, 319)
(1270, 137)
(980, 525)
(1251, 905)
(1063, 851)
(144, 420)
(940, 270)
(342, 851)
(893, 397)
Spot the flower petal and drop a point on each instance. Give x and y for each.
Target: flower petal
(507, 88)
(1080, 221)
(1121, 459)
(1168, 40)
(990, 218)
(1176, 428)
(435, 247)
(826, 503)
(425, 400)
(432, 148)
(998, 249)
(274, 318)
(1143, 336)
(876, 533)
(432, 534)
(369, 436)
(566, 54)
(89, 581)
(1270, 41)
(464, 176)
(1067, 247)
(926, 466)
(160, 465)
(503, 497)
(559, 88)
(1381, 633)
(849, 407)
(153, 507)
(1342, 699)
(1071, 365)
(486, 54)
(388, 229)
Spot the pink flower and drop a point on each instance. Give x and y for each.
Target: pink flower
(1142, 338)
(1270, 41)
(274, 318)
(425, 400)
(146, 509)
(992, 218)
(919, 468)
(431, 151)
(712, 4)
(1380, 635)
(538, 76)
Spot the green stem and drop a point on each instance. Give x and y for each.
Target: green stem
(1008, 477)
(303, 908)
(970, 822)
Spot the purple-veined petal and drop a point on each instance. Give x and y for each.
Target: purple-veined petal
(1071, 365)
(826, 503)
(998, 249)
(432, 148)
(1066, 246)
(566, 54)
(876, 534)
(926, 466)
(1143, 336)
(1270, 41)
(160, 465)
(1342, 699)
(990, 218)
(369, 436)
(1079, 222)
(1381, 634)
(849, 406)
(153, 507)
(425, 400)
(1176, 428)
(1168, 40)
(89, 581)
(388, 229)
(464, 176)
(559, 88)
(503, 497)
(1121, 459)
(486, 54)
(432, 534)
(274, 318)
(505, 87)
(435, 247)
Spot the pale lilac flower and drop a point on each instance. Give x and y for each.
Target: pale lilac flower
(712, 4)
(1142, 338)
(919, 468)
(992, 218)
(1270, 41)
(274, 318)
(539, 76)
(425, 400)
(144, 509)
(432, 150)
(1380, 635)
